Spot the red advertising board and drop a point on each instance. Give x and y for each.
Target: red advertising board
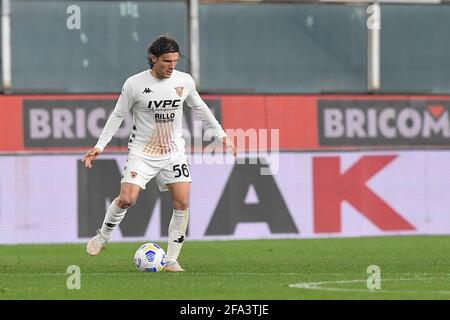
(71, 123)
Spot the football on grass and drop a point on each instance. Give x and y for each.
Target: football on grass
(150, 258)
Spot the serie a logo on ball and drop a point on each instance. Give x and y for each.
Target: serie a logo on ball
(150, 258)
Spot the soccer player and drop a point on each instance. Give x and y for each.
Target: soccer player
(156, 147)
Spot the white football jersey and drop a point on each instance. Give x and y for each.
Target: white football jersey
(157, 109)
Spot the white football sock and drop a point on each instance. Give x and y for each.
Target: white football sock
(177, 233)
(113, 217)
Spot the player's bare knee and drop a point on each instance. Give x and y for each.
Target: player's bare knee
(181, 204)
(121, 204)
(125, 202)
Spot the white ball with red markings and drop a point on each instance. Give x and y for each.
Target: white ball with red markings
(150, 258)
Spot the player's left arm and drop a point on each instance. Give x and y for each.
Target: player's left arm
(201, 108)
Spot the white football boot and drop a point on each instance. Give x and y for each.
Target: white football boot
(173, 266)
(95, 245)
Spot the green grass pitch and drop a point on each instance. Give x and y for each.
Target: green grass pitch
(288, 269)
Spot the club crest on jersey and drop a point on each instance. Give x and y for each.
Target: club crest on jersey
(179, 91)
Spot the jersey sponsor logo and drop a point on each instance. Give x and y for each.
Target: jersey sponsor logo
(147, 90)
(164, 117)
(164, 104)
(179, 91)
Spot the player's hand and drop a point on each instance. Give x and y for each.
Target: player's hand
(90, 156)
(229, 144)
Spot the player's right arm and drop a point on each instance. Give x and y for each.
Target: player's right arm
(121, 110)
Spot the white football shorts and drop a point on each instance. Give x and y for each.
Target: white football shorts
(139, 170)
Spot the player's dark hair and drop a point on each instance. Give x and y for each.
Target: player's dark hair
(163, 44)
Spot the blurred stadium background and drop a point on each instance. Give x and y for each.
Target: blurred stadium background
(358, 91)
